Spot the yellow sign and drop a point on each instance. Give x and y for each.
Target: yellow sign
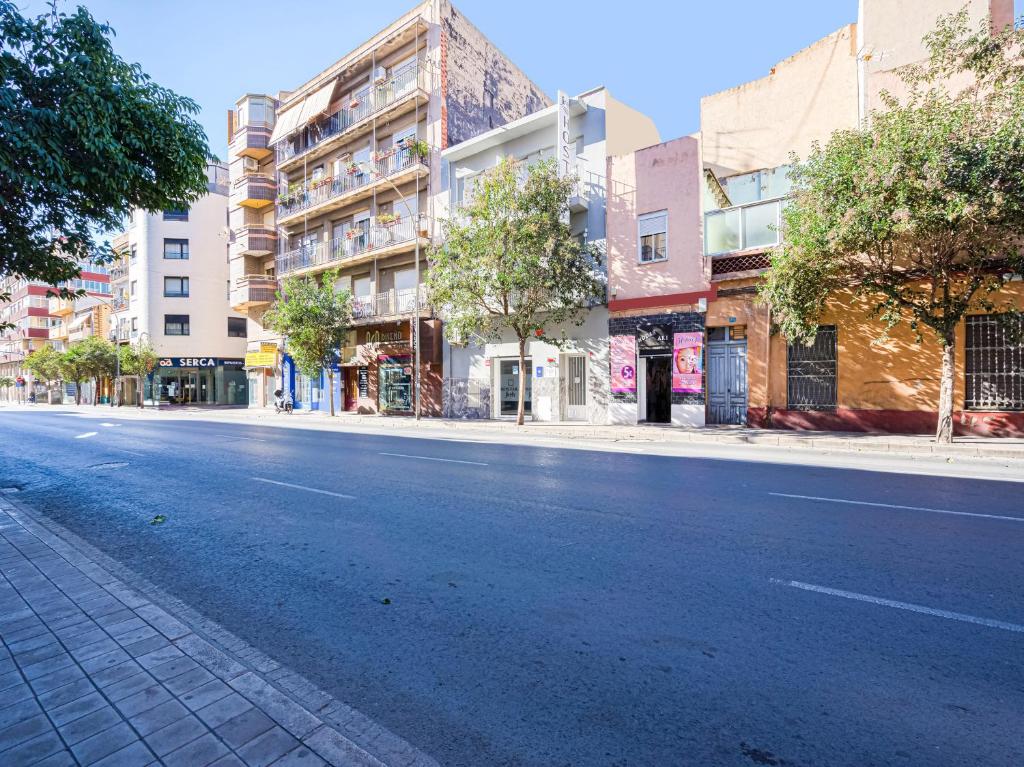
(261, 359)
(266, 348)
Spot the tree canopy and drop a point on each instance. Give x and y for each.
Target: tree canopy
(88, 138)
(919, 211)
(509, 260)
(45, 364)
(314, 318)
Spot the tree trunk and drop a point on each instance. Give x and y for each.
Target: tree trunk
(95, 391)
(521, 412)
(141, 398)
(944, 430)
(330, 378)
(78, 392)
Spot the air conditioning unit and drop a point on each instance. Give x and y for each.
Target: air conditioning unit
(250, 165)
(380, 74)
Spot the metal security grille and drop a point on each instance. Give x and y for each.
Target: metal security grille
(577, 381)
(995, 363)
(811, 372)
(734, 264)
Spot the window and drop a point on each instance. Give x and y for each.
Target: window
(176, 215)
(176, 249)
(134, 253)
(176, 287)
(994, 369)
(134, 288)
(176, 325)
(653, 231)
(236, 327)
(811, 372)
(135, 324)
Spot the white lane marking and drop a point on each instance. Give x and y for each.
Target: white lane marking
(428, 458)
(87, 434)
(107, 423)
(896, 506)
(232, 436)
(962, 617)
(307, 489)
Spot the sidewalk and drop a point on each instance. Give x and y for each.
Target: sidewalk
(94, 672)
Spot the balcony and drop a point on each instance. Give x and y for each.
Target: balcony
(256, 240)
(252, 141)
(253, 290)
(387, 99)
(61, 307)
(372, 240)
(119, 303)
(753, 226)
(386, 305)
(256, 190)
(329, 193)
(118, 273)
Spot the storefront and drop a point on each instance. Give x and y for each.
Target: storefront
(657, 369)
(262, 368)
(198, 381)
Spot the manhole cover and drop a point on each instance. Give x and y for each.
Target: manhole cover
(109, 465)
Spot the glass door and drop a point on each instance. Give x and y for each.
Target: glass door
(508, 385)
(395, 382)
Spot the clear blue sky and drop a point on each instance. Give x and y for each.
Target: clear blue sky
(658, 56)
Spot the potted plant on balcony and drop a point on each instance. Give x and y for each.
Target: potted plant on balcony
(353, 169)
(387, 218)
(421, 148)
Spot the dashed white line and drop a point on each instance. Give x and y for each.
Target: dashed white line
(429, 458)
(87, 434)
(962, 617)
(307, 489)
(233, 436)
(107, 423)
(897, 506)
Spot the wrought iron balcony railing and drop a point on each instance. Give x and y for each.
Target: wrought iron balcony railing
(358, 240)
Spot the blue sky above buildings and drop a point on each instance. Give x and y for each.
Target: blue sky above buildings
(659, 56)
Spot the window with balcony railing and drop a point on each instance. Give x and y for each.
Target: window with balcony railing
(742, 227)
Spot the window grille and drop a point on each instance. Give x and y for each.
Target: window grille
(733, 264)
(994, 370)
(811, 372)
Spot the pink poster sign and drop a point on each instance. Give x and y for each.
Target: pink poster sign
(688, 363)
(623, 355)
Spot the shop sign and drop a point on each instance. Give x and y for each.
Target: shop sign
(562, 146)
(268, 348)
(688, 363)
(363, 381)
(261, 359)
(385, 337)
(199, 362)
(623, 356)
(653, 339)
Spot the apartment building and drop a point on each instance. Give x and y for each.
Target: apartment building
(567, 383)
(340, 174)
(40, 320)
(171, 290)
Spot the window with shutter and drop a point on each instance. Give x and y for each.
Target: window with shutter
(652, 231)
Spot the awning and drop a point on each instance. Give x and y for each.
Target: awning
(78, 322)
(299, 115)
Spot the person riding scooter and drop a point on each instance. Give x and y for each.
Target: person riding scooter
(282, 402)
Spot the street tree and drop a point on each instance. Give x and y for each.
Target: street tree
(87, 138)
(100, 357)
(919, 212)
(75, 367)
(6, 382)
(314, 317)
(137, 360)
(508, 261)
(45, 365)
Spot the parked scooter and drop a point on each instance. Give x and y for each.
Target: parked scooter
(282, 403)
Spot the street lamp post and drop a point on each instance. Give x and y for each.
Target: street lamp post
(416, 298)
(115, 394)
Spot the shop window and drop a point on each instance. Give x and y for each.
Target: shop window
(236, 327)
(653, 234)
(994, 369)
(176, 325)
(176, 250)
(509, 387)
(176, 287)
(811, 372)
(394, 382)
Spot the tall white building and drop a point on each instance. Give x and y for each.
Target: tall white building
(171, 290)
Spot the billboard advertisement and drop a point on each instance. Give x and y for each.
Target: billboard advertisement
(623, 357)
(688, 363)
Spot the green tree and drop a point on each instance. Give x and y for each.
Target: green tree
(87, 137)
(100, 357)
(74, 367)
(314, 318)
(6, 382)
(137, 360)
(509, 261)
(45, 365)
(920, 211)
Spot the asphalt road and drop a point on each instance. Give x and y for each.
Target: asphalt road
(515, 605)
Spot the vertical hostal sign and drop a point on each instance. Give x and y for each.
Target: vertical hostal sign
(688, 363)
(623, 357)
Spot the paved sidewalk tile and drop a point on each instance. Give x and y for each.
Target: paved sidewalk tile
(93, 672)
